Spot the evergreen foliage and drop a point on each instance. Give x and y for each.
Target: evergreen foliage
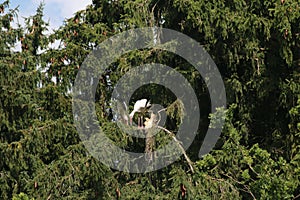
(256, 46)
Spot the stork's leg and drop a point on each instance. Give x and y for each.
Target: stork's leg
(139, 121)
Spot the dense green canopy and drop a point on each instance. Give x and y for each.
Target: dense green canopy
(256, 46)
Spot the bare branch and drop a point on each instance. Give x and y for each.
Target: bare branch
(180, 146)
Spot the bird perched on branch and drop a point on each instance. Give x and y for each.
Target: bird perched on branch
(140, 106)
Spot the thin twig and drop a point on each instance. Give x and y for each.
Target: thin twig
(164, 109)
(180, 146)
(245, 186)
(49, 197)
(159, 116)
(296, 197)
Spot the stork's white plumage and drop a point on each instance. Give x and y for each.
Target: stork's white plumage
(150, 121)
(139, 106)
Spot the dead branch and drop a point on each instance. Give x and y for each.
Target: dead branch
(180, 146)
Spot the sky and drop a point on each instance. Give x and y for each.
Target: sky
(55, 10)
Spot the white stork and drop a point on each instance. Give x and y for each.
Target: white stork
(139, 106)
